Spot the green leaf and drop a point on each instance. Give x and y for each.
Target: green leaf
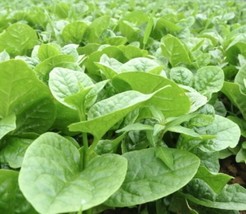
(22, 94)
(104, 114)
(135, 127)
(181, 75)
(172, 101)
(233, 93)
(65, 82)
(11, 199)
(226, 132)
(175, 50)
(216, 181)
(141, 64)
(232, 197)
(209, 80)
(184, 130)
(96, 28)
(18, 39)
(43, 69)
(62, 186)
(240, 79)
(148, 178)
(74, 32)
(166, 156)
(13, 151)
(7, 124)
(46, 51)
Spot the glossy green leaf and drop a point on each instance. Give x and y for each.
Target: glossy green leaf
(74, 32)
(241, 78)
(148, 178)
(181, 76)
(65, 82)
(18, 39)
(209, 80)
(62, 186)
(233, 93)
(104, 114)
(13, 151)
(232, 197)
(46, 51)
(169, 101)
(175, 50)
(7, 124)
(97, 27)
(22, 94)
(216, 181)
(43, 69)
(226, 132)
(11, 199)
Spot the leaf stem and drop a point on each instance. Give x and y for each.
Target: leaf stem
(86, 146)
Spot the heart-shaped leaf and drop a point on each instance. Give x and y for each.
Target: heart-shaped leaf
(52, 180)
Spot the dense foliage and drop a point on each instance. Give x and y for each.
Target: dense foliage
(114, 104)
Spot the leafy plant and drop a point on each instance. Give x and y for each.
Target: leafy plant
(109, 105)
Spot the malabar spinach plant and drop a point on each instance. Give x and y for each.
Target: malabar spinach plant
(109, 105)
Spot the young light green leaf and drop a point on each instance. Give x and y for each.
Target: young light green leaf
(65, 82)
(148, 178)
(11, 199)
(46, 51)
(181, 75)
(184, 130)
(44, 68)
(216, 181)
(135, 127)
(18, 39)
(109, 146)
(175, 50)
(227, 134)
(209, 80)
(104, 114)
(96, 28)
(61, 186)
(74, 32)
(141, 64)
(172, 101)
(166, 156)
(22, 94)
(7, 124)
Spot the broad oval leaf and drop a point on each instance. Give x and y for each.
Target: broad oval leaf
(52, 180)
(18, 39)
(74, 32)
(13, 151)
(175, 50)
(65, 82)
(148, 178)
(226, 132)
(209, 80)
(172, 101)
(105, 113)
(22, 94)
(11, 199)
(232, 197)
